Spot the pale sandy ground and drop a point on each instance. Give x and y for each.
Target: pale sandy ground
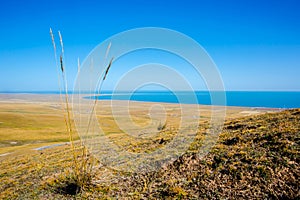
(144, 116)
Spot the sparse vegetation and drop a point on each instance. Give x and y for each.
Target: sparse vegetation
(255, 157)
(161, 126)
(81, 171)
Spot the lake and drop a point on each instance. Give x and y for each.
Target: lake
(233, 98)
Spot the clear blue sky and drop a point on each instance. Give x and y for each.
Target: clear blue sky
(255, 44)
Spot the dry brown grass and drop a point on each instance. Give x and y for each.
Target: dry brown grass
(256, 157)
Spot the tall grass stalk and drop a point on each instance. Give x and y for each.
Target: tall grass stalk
(89, 170)
(57, 67)
(67, 105)
(88, 162)
(96, 99)
(82, 165)
(79, 177)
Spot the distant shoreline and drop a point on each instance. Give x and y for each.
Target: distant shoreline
(259, 100)
(267, 100)
(110, 91)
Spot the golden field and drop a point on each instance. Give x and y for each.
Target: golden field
(256, 156)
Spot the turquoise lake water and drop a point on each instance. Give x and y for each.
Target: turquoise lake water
(233, 98)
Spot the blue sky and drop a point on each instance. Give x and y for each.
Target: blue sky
(255, 44)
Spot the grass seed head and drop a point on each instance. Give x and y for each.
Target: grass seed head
(108, 67)
(107, 50)
(52, 38)
(61, 64)
(61, 42)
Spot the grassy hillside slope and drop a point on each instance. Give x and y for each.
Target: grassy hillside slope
(255, 157)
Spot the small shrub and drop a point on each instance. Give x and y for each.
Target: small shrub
(161, 126)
